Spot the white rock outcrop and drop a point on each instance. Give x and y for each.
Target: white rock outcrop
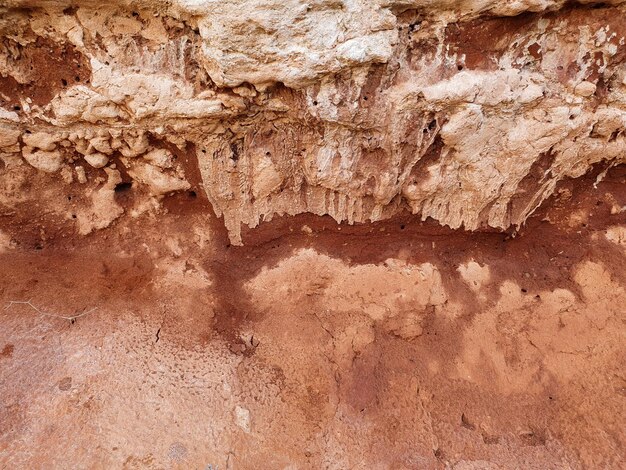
(459, 111)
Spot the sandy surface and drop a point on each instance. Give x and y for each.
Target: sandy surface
(391, 345)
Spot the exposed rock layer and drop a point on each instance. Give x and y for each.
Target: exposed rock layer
(457, 111)
(392, 345)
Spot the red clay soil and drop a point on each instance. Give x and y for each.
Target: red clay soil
(398, 344)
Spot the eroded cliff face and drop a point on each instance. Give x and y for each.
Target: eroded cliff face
(176, 290)
(468, 113)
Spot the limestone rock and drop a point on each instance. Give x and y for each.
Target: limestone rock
(49, 162)
(157, 181)
(40, 140)
(461, 112)
(96, 160)
(103, 209)
(8, 137)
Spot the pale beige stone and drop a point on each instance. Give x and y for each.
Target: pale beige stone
(97, 160)
(49, 162)
(348, 109)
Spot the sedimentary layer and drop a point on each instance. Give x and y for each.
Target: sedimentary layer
(468, 113)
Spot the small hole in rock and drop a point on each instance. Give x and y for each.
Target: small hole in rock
(524, 290)
(314, 103)
(64, 82)
(402, 227)
(16, 108)
(414, 26)
(73, 216)
(122, 187)
(192, 194)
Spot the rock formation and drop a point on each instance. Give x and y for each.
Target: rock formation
(312, 234)
(466, 112)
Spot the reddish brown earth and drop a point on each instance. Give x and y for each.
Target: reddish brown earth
(316, 345)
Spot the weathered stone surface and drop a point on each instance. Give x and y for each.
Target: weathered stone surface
(457, 111)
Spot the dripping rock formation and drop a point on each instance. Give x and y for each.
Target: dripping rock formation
(468, 113)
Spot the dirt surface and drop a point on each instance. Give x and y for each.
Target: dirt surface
(398, 344)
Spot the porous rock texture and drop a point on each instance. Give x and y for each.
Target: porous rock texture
(466, 112)
(334, 234)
